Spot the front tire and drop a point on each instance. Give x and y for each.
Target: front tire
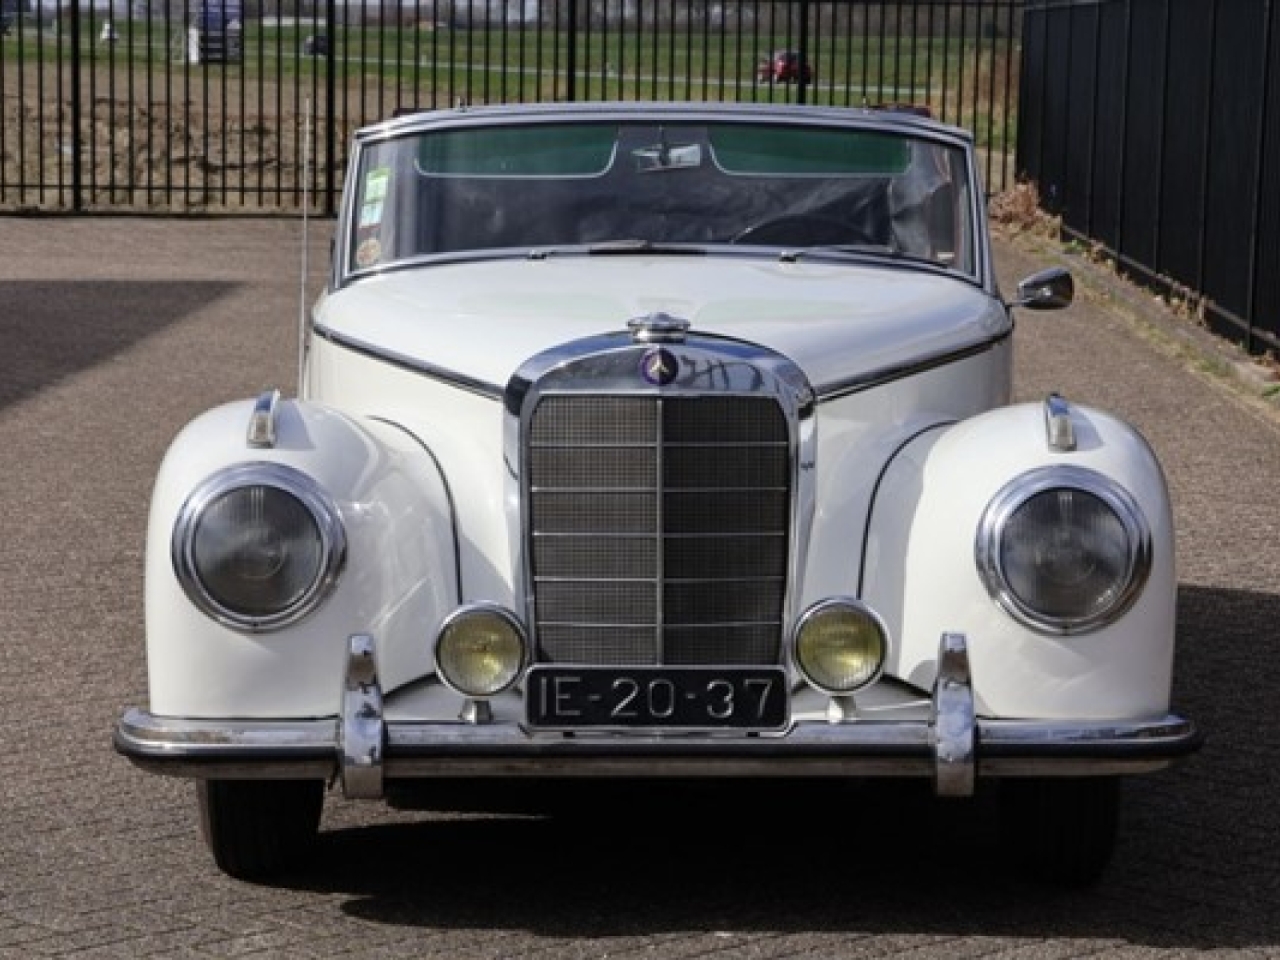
(1060, 830)
(257, 829)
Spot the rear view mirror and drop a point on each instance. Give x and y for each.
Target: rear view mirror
(1050, 289)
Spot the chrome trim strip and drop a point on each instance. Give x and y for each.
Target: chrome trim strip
(361, 730)
(898, 124)
(412, 364)
(878, 378)
(953, 720)
(308, 748)
(660, 526)
(821, 393)
(262, 422)
(535, 113)
(1060, 432)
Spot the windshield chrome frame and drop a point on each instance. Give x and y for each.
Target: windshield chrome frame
(894, 123)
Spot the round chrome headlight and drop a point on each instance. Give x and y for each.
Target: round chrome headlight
(481, 651)
(840, 646)
(1064, 549)
(258, 546)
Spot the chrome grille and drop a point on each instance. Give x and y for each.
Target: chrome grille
(659, 528)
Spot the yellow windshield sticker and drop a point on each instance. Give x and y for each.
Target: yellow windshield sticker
(376, 182)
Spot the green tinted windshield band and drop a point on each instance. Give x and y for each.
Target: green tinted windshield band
(556, 150)
(756, 150)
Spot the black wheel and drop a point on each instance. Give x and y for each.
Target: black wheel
(1060, 830)
(259, 828)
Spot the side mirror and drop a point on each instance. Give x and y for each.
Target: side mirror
(1050, 289)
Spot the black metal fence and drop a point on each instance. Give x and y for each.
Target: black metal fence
(211, 105)
(1153, 128)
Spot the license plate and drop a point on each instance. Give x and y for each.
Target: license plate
(665, 698)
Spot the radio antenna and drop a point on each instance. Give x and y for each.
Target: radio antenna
(306, 242)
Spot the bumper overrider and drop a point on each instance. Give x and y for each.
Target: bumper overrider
(362, 750)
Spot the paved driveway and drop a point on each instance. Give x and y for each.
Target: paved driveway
(113, 333)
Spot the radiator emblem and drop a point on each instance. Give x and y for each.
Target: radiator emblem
(659, 366)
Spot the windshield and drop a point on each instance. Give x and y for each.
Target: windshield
(600, 187)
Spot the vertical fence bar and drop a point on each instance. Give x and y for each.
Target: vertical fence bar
(977, 64)
(987, 36)
(671, 51)
(1206, 147)
(962, 64)
(331, 108)
(897, 53)
(86, 129)
(946, 58)
(77, 145)
(59, 146)
(1096, 140)
(1007, 108)
(522, 47)
(259, 131)
(1122, 172)
(1260, 155)
(1045, 16)
(913, 67)
(571, 53)
(1000, 45)
(639, 51)
(802, 83)
(1165, 63)
(4, 123)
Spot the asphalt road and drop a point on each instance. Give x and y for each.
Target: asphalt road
(114, 332)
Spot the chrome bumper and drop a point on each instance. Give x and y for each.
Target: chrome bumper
(954, 747)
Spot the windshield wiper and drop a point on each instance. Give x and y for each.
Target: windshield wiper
(636, 245)
(851, 249)
(615, 248)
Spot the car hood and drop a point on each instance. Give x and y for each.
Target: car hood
(837, 322)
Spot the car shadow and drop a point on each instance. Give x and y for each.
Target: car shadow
(1195, 867)
(53, 329)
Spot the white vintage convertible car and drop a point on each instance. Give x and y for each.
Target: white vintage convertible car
(644, 441)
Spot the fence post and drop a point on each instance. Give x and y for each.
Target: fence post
(571, 56)
(77, 198)
(1251, 295)
(330, 109)
(801, 83)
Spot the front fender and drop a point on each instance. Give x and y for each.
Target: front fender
(922, 576)
(399, 577)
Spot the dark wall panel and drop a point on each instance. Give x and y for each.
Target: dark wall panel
(1234, 131)
(1266, 300)
(1189, 82)
(1144, 132)
(1031, 94)
(1082, 51)
(1109, 123)
(1160, 137)
(1055, 102)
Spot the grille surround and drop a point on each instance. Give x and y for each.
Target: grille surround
(659, 525)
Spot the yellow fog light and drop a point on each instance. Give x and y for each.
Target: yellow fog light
(481, 651)
(840, 646)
